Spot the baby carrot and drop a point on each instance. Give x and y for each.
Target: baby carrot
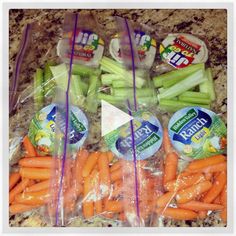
(122, 216)
(104, 174)
(33, 198)
(184, 182)
(200, 206)
(166, 142)
(217, 200)
(192, 192)
(165, 199)
(216, 188)
(41, 162)
(110, 156)
(114, 206)
(223, 196)
(116, 175)
(18, 189)
(208, 176)
(90, 163)
(13, 179)
(211, 169)
(88, 204)
(98, 206)
(177, 213)
(35, 173)
(31, 152)
(39, 186)
(115, 166)
(199, 164)
(19, 208)
(81, 159)
(202, 215)
(170, 168)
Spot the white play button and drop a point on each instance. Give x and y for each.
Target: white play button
(112, 118)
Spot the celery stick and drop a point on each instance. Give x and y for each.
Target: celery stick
(128, 92)
(189, 82)
(114, 67)
(49, 81)
(169, 83)
(172, 106)
(176, 74)
(84, 71)
(76, 89)
(195, 100)
(84, 86)
(60, 74)
(38, 89)
(192, 94)
(108, 78)
(110, 98)
(91, 100)
(120, 84)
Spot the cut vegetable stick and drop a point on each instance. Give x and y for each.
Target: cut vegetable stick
(81, 159)
(208, 176)
(211, 169)
(110, 156)
(116, 175)
(184, 182)
(114, 206)
(192, 192)
(217, 187)
(200, 206)
(217, 200)
(72, 193)
(199, 164)
(223, 196)
(115, 166)
(18, 189)
(104, 174)
(90, 163)
(31, 152)
(33, 198)
(202, 215)
(98, 206)
(165, 199)
(40, 162)
(122, 216)
(177, 213)
(13, 179)
(39, 186)
(166, 141)
(20, 208)
(170, 168)
(88, 205)
(35, 173)
(223, 215)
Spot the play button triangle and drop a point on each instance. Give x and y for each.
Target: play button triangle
(112, 118)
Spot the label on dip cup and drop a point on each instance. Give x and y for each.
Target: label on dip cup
(147, 135)
(43, 126)
(197, 132)
(181, 50)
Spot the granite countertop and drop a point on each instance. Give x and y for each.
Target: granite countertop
(208, 24)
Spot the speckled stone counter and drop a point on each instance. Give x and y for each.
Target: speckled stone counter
(210, 25)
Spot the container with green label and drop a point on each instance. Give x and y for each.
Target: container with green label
(50, 121)
(197, 133)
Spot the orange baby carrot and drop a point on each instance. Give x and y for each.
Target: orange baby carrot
(217, 168)
(177, 213)
(35, 173)
(115, 166)
(208, 176)
(88, 204)
(122, 216)
(41, 162)
(166, 141)
(170, 168)
(200, 206)
(13, 179)
(184, 182)
(20, 208)
(90, 163)
(217, 200)
(192, 192)
(110, 156)
(223, 196)
(18, 189)
(33, 198)
(81, 159)
(216, 188)
(199, 164)
(39, 186)
(104, 174)
(114, 206)
(202, 215)
(116, 175)
(31, 152)
(165, 199)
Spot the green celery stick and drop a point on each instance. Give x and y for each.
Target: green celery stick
(38, 89)
(49, 81)
(76, 90)
(189, 82)
(84, 71)
(110, 98)
(195, 100)
(176, 74)
(91, 99)
(120, 84)
(128, 92)
(193, 94)
(108, 78)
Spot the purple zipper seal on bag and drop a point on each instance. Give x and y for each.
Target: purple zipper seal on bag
(19, 59)
(131, 122)
(67, 119)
